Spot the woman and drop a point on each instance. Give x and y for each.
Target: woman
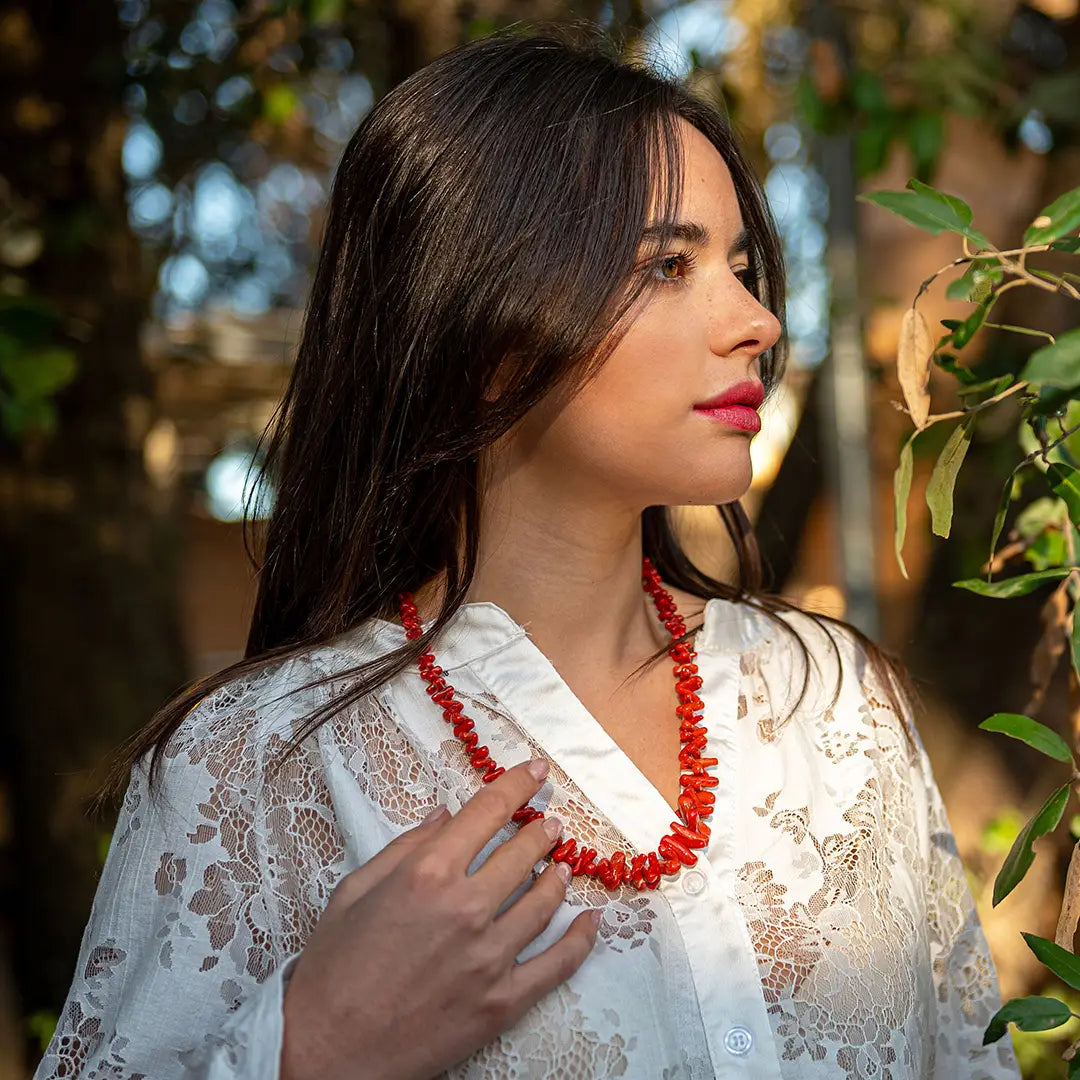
(547, 308)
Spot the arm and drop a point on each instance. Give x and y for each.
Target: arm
(178, 973)
(965, 982)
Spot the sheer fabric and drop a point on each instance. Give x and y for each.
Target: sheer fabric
(830, 931)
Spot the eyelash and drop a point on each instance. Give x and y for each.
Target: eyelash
(688, 259)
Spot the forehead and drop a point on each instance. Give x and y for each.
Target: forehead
(708, 192)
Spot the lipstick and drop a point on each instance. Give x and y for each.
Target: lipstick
(737, 406)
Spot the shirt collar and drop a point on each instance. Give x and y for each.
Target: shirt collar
(480, 628)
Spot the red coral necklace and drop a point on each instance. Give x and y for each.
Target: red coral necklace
(676, 849)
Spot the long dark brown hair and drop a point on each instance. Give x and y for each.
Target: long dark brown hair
(488, 211)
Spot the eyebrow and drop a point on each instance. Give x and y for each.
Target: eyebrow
(693, 232)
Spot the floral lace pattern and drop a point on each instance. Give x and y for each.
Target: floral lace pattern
(832, 900)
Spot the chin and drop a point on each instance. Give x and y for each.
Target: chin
(733, 483)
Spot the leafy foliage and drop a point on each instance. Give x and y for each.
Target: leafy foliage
(1046, 532)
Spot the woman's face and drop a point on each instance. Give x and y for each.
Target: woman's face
(632, 435)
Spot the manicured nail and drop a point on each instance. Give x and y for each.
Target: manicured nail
(597, 916)
(553, 827)
(434, 815)
(564, 872)
(538, 767)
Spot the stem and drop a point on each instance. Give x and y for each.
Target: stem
(1043, 451)
(975, 408)
(1005, 259)
(1021, 330)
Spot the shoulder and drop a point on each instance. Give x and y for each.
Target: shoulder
(251, 708)
(826, 669)
(256, 715)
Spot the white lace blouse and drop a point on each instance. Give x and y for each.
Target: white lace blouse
(829, 932)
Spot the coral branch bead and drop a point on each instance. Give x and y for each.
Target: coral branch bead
(687, 837)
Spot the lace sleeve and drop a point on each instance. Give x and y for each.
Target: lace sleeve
(180, 972)
(965, 983)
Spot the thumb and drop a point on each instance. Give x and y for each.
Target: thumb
(381, 865)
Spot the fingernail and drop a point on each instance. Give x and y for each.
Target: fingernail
(436, 813)
(564, 872)
(553, 827)
(538, 767)
(597, 916)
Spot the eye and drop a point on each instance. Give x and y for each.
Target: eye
(674, 267)
(744, 276)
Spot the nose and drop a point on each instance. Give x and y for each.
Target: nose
(745, 327)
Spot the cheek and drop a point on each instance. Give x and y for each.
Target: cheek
(632, 432)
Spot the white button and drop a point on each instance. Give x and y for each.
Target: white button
(738, 1041)
(693, 882)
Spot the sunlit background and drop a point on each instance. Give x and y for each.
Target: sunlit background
(160, 211)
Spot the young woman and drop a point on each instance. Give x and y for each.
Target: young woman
(547, 308)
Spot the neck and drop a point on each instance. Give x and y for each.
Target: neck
(568, 570)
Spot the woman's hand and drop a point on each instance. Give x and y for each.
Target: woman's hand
(409, 971)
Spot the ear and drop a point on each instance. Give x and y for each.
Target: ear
(498, 383)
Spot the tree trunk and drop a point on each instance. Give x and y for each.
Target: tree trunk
(88, 545)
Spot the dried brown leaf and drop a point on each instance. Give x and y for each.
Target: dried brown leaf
(913, 361)
(1070, 904)
(1047, 653)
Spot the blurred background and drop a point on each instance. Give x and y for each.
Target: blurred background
(164, 167)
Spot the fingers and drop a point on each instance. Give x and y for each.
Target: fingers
(530, 981)
(511, 863)
(487, 812)
(361, 880)
(526, 919)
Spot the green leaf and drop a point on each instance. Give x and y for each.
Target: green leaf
(1071, 243)
(966, 330)
(1064, 964)
(976, 282)
(1028, 1014)
(1037, 736)
(1057, 364)
(872, 143)
(956, 205)
(1000, 833)
(326, 12)
(40, 1026)
(929, 209)
(279, 103)
(1039, 515)
(1047, 549)
(989, 387)
(38, 373)
(939, 491)
(1020, 585)
(947, 362)
(901, 491)
(1021, 856)
(1065, 484)
(868, 92)
(1064, 215)
(18, 416)
(1074, 642)
(1004, 502)
(925, 132)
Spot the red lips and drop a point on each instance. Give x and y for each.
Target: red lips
(749, 392)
